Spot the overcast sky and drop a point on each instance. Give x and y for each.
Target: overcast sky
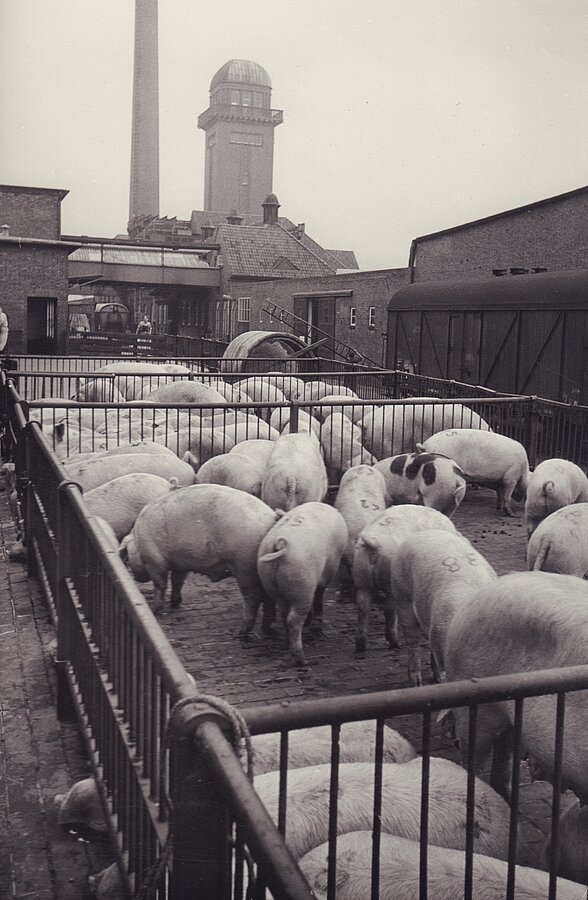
(401, 117)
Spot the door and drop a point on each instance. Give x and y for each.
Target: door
(41, 330)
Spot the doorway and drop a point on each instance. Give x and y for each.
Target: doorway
(41, 328)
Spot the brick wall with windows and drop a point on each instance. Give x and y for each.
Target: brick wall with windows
(369, 291)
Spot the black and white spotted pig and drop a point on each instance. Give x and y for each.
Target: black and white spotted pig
(431, 479)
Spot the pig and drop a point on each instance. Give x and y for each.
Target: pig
(187, 392)
(340, 403)
(107, 532)
(289, 385)
(560, 542)
(486, 458)
(316, 390)
(553, 484)
(360, 498)
(256, 448)
(523, 622)
(280, 419)
(308, 791)
(399, 872)
(204, 443)
(261, 390)
(120, 500)
(207, 528)
(296, 560)
(396, 428)
(432, 574)
(375, 548)
(313, 746)
(341, 441)
(66, 439)
(237, 471)
(91, 473)
(572, 845)
(253, 428)
(98, 390)
(138, 447)
(428, 478)
(295, 474)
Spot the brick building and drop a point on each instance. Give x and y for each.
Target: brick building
(548, 235)
(33, 269)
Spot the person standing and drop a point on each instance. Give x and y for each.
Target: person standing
(144, 326)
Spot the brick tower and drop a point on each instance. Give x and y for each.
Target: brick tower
(239, 127)
(144, 193)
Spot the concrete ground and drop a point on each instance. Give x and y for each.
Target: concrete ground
(41, 757)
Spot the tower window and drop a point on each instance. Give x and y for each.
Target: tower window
(241, 137)
(352, 317)
(372, 317)
(246, 98)
(235, 98)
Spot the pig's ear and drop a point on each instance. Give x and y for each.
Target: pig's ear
(420, 448)
(59, 431)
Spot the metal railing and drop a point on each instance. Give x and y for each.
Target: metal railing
(126, 682)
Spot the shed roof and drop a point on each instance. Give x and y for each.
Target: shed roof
(551, 290)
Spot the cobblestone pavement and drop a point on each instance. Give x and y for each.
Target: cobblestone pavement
(39, 756)
(41, 860)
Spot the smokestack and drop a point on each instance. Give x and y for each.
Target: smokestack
(144, 193)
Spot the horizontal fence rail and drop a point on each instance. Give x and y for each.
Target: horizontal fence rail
(165, 760)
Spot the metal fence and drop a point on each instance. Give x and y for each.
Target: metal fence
(142, 716)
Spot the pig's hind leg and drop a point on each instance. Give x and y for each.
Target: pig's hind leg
(177, 580)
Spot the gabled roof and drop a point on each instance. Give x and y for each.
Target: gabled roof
(345, 258)
(578, 192)
(267, 251)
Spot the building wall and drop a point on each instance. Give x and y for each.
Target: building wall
(369, 289)
(238, 175)
(30, 212)
(31, 270)
(553, 236)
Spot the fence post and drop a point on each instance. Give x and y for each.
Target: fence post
(533, 432)
(65, 705)
(200, 821)
(294, 419)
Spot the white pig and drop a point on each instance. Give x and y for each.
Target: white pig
(374, 550)
(428, 478)
(313, 746)
(207, 528)
(296, 560)
(554, 483)
(280, 419)
(486, 458)
(91, 473)
(341, 441)
(241, 472)
(432, 574)
(399, 872)
(524, 622)
(187, 392)
(296, 472)
(120, 500)
(396, 428)
(560, 542)
(360, 498)
(308, 792)
(572, 845)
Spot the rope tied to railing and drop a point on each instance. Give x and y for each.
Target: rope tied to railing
(244, 749)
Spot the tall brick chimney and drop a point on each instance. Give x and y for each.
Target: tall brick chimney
(144, 192)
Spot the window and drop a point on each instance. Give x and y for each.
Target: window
(243, 309)
(235, 98)
(353, 317)
(372, 317)
(246, 98)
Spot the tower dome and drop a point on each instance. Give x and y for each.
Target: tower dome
(241, 71)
